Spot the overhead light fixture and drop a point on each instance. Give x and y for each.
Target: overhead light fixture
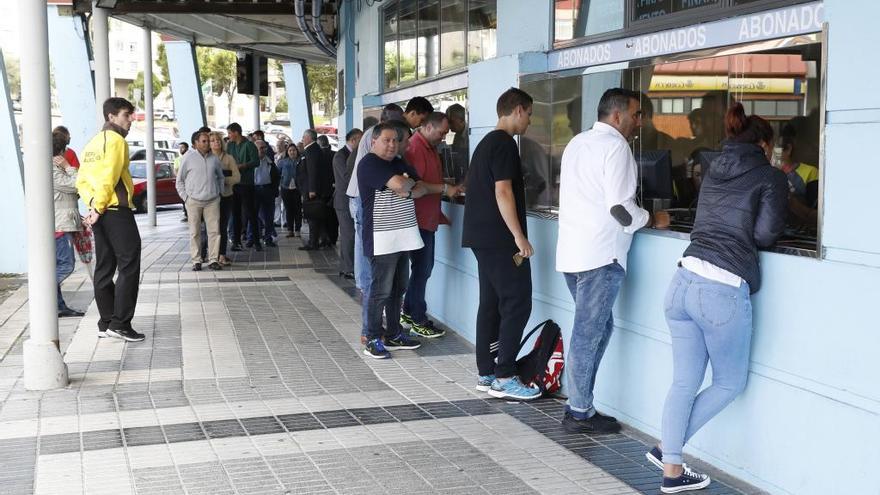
(106, 4)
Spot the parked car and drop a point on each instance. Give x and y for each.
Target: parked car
(163, 114)
(138, 116)
(161, 155)
(166, 192)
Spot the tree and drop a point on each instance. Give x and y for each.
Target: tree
(139, 84)
(322, 86)
(162, 62)
(218, 66)
(281, 106)
(13, 72)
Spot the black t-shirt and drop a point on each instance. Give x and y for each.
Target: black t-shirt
(496, 158)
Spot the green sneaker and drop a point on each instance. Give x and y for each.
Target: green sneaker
(426, 330)
(406, 322)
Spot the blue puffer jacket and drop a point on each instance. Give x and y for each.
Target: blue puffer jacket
(742, 207)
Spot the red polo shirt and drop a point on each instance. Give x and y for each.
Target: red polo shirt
(426, 161)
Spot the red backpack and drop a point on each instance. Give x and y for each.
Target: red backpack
(542, 367)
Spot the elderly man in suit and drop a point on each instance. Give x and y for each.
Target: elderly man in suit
(342, 175)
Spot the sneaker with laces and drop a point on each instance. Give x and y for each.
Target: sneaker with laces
(426, 330)
(688, 480)
(126, 334)
(513, 388)
(406, 321)
(655, 456)
(401, 342)
(484, 382)
(375, 349)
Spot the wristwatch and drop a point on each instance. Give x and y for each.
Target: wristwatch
(409, 194)
(445, 187)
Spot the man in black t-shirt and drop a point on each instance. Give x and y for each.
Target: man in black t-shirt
(495, 229)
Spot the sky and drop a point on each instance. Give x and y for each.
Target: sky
(9, 32)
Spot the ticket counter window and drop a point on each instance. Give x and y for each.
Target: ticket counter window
(683, 105)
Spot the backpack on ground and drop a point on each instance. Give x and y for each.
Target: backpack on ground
(542, 367)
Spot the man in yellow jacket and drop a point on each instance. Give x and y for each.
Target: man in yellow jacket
(104, 184)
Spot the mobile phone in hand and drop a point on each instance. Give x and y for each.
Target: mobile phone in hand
(517, 259)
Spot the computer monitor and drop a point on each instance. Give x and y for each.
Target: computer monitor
(655, 173)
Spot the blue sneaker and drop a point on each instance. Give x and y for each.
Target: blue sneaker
(655, 456)
(401, 342)
(484, 383)
(376, 349)
(689, 480)
(513, 389)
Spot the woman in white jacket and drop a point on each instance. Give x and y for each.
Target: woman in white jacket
(67, 218)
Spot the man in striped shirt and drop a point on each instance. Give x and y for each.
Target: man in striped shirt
(387, 188)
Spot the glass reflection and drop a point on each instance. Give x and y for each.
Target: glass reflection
(429, 38)
(482, 29)
(452, 37)
(389, 35)
(578, 18)
(407, 41)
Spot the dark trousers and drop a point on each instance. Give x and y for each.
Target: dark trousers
(346, 240)
(265, 199)
(505, 306)
(386, 293)
(317, 227)
(331, 227)
(421, 265)
(244, 212)
(292, 209)
(117, 246)
(225, 212)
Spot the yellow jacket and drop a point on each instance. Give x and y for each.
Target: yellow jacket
(104, 164)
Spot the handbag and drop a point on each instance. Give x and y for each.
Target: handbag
(314, 209)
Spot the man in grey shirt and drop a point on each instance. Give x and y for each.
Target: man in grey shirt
(199, 184)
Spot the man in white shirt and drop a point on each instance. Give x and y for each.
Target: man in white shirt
(598, 215)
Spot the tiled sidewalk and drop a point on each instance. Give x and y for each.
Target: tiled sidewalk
(251, 380)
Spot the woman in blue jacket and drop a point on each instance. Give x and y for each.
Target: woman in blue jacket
(290, 194)
(742, 207)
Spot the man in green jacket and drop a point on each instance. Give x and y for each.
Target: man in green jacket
(244, 196)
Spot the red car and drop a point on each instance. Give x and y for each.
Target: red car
(166, 192)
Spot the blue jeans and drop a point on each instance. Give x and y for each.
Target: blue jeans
(421, 265)
(594, 292)
(709, 322)
(363, 272)
(386, 292)
(266, 208)
(65, 260)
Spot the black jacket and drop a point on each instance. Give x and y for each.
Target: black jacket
(342, 176)
(742, 207)
(319, 171)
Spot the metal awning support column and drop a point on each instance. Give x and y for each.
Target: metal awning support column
(186, 89)
(255, 60)
(43, 367)
(149, 139)
(101, 31)
(298, 104)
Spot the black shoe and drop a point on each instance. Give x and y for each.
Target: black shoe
(249, 244)
(258, 246)
(215, 266)
(689, 480)
(197, 267)
(70, 313)
(184, 220)
(126, 334)
(655, 456)
(236, 247)
(277, 224)
(308, 247)
(271, 243)
(588, 426)
(348, 275)
(610, 419)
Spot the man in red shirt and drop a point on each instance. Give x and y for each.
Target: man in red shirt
(423, 157)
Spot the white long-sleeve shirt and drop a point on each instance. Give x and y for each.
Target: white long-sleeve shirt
(598, 172)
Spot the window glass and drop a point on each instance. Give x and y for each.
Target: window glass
(579, 18)
(429, 38)
(683, 105)
(482, 30)
(650, 9)
(389, 34)
(453, 17)
(406, 26)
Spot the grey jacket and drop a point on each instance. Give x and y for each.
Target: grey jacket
(200, 177)
(341, 176)
(67, 218)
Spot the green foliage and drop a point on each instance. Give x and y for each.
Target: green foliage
(13, 73)
(139, 84)
(218, 66)
(162, 62)
(281, 105)
(322, 86)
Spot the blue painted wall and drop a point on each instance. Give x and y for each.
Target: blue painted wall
(809, 421)
(13, 251)
(298, 99)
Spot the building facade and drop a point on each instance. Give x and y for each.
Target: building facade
(812, 384)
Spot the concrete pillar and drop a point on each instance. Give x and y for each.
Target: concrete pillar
(189, 107)
(298, 105)
(101, 46)
(43, 367)
(13, 251)
(69, 53)
(255, 60)
(149, 141)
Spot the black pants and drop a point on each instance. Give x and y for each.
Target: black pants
(390, 273)
(346, 240)
(117, 246)
(292, 209)
(265, 200)
(505, 307)
(331, 227)
(225, 212)
(244, 212)
(317, 226)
